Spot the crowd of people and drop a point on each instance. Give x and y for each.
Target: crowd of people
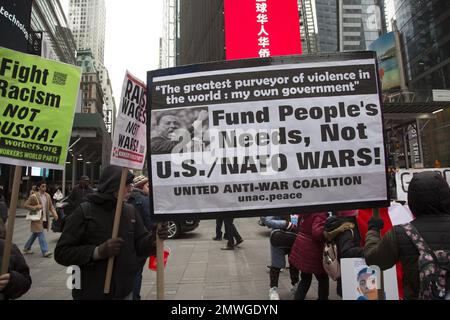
(360, 234)
(86, 241)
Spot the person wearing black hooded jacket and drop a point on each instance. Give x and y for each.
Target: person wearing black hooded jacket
(429, 201)
(17, 281)
(86, 241)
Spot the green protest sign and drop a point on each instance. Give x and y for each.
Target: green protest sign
(37, 106)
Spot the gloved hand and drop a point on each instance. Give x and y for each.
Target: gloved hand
(163, 231)
(110, 248)
(375, 224)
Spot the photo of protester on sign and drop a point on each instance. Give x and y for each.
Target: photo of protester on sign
(185, 127)
(299, 135)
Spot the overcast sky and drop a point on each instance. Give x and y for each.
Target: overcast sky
(133, 29)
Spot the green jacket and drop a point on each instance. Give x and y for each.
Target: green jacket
(397, 247)
(385, 254)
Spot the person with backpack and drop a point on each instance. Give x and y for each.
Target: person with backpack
(86, 241)
(139, 198)
(341, 231)
(422, 246)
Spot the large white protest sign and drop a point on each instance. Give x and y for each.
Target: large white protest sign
(238, 137)
(130, 135)
(404, 176)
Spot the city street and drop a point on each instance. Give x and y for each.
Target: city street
(197, 269)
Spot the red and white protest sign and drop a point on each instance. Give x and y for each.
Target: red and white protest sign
(130, 135)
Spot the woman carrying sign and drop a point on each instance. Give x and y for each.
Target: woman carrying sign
(37, 201)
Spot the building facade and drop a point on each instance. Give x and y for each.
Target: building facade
(109, 107)
(47, 16)
(360, 22)
(87, 20)
(194, 31)
(171, 35)
(91, 85)
(308, 26)
(326, 15)
(425, 37)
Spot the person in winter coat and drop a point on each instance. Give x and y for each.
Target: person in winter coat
(17, 281)
(37, 201)
(139, 198)
(86, 241)
(306, 254)
(79, 193)
(277, 255)
(342, 229)
(429, 201)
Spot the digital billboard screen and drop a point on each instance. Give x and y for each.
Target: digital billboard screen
(261, 28)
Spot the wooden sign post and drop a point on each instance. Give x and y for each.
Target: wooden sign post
(116, 226)
(381, 295)
(159, 267)
(11, 220)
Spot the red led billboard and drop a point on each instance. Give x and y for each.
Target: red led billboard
(261, 28)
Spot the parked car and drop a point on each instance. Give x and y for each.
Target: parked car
(176, 228)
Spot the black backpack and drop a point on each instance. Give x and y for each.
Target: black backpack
(58, 226)
(434, 267)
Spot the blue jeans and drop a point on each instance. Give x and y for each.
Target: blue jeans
(138, 279)
(42, 242)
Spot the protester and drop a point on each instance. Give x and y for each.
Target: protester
(79, 193)
(232, 234)
(278, 254)
(139, 198)
(429, 201)
(306, 255)
(37, 201)
(363, 218)
(342, 229)
(58, 195)
(17, 281)
(86, 241)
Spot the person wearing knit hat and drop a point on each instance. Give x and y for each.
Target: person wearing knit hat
(86, 241)
(139, 198)
(139, 182)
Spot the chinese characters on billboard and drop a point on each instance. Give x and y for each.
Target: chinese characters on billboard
(258, 28)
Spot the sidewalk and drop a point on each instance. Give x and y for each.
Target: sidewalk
(196, 270)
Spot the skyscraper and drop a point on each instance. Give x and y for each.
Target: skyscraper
(326, 13)
(87, 20)
(424, 26)
(360, 22)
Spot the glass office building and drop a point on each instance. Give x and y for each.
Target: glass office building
(48, 17)
(424, 27)
(326, 13)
